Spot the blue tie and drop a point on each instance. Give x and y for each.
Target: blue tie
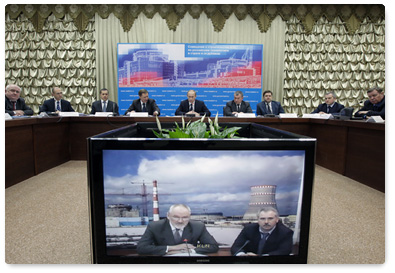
(104, 106)
(144, 108)
(58, 106)
(262, 242)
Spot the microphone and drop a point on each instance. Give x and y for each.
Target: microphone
(186, 243)
(245, 243)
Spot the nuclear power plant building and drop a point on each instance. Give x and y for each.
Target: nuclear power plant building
(261, 196)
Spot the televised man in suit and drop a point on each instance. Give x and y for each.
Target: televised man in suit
(56, 104)
(14, 104)
(267, 237)
(268, 106)
(144, 104)
(330, 106)
(176, 234)
(375, 106)
(237, 105)
(104, 105)
(192, 106)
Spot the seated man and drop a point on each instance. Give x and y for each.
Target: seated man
(14, 104)
(268, 106)
(104, 105)
(144, 104)
(56, 104)
(192, 106)
(375, 106)
(176, 234)
(267, 237)
(237, 105)
(330, 106)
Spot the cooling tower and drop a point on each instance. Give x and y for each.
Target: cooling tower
(261, 196)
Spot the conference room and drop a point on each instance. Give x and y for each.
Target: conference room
(300, 52)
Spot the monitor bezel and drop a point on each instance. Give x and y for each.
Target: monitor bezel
(96, 145)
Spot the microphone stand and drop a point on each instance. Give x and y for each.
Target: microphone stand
(186, 243)
(245, 243)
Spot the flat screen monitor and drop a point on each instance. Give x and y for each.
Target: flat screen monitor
(134, 181)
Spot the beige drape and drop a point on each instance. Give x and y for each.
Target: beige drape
(58, 56)
(109, 32)
(305, 54)
(332, 60)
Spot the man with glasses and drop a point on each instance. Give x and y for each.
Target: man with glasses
(176, 234)
(14, 104)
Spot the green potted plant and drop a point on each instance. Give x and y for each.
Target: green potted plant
(196, 129)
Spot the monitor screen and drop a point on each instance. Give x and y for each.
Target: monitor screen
(135, 184)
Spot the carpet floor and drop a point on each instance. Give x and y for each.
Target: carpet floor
(47, 219)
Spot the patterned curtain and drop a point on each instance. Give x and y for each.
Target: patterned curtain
(332, 60)
(60, 56)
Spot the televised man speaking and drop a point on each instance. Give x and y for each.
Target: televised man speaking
(267, 237)
(176, 235)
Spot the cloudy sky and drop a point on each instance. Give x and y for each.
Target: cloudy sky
(207, 181)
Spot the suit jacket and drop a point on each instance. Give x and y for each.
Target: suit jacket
(231, 107)
(374, 110)
(20, 105)
(111, 107)
(336, 108)
(276, 108)
(159, 235)
(200, 107)
(151, 107)
(49, 106)
(278, 243)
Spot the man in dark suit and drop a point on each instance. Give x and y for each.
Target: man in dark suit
(176, 234)
(268, 106)
(267, 237)
(14, 104)
(375, 106)
(56, 104)
(104, 105)
(237, 105)
(330, 106)
(144, 104)
(192, 106)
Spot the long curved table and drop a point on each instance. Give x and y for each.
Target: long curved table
(33, 145)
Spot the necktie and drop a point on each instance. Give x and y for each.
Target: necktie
(177, 236)
(13, 105)
(144, 108)
(104, 106)
(238, 108)
(268, 108)
(329, 109)
(190, 107)
(262, 243)
(57, 106)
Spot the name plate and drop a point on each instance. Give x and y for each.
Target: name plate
(69, 114)
(138, 114)
(103, 114)
(245, 115)
(375, 119)
(290, 115)
(318, 116)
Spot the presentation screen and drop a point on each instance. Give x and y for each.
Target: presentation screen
(224, 189)
(169, 71)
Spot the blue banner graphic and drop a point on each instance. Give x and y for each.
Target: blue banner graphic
(169, 71)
